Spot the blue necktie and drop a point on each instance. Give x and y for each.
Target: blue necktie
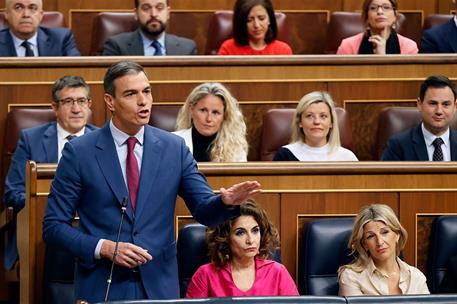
(28, 49)
(158, 49)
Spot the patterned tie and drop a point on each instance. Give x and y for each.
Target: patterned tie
(70, 137)
(28, 49)
(438, 153)
(133, 176)
(157, 47)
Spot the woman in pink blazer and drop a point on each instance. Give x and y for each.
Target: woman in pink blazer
(380, 17)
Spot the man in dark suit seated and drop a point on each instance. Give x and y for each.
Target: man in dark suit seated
(25, 36)
(432, 139)
(150, 38)
(44, 144)
(441, 38)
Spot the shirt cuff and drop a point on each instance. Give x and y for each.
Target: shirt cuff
(98, 248)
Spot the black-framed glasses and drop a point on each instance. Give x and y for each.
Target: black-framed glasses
(385, 7)
(68, 102)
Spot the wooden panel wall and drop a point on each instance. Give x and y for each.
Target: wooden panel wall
(362, 85)
(293, 194)
(429, 6)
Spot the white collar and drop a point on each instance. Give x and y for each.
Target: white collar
(18, 41)
(121, 137)
(430, 137)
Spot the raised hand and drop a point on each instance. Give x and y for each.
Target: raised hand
(239, 193)
(379, 41)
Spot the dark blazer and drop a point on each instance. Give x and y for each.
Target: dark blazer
(449, 283)
(89, 182)
(410, 145)
(284, 154)
(38, 144)
(440, 39)
(51, 42)
(131, 44)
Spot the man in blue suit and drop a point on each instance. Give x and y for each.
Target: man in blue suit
(441, 38)
(433, 139)
(24, 36)
(129, 161)
(43, 144)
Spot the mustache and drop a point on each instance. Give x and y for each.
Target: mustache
(154, 19)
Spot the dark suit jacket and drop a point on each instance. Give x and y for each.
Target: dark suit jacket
(51, 42)
(440, 39)
(38, 144)
(449, 283)
(410, 145)
(131, 44)
(89, 181)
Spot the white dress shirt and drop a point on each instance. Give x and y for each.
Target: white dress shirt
(62, 138)
(20, 50)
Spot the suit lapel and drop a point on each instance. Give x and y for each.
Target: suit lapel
(171, 44)
(7, 44)
(108, 161)
(44, 45)
(453, 142)
(50, 144)
(152, 153)
(452, 38)
(419, 144)
(135, 45)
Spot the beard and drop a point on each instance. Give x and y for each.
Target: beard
(155, 31)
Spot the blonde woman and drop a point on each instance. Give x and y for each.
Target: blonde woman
(212, 125)
(376, 241)
(315, 134)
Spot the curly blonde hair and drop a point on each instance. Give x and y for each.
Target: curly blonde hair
(333, 136)
(230, 141)
(373, 212)
(218, 238)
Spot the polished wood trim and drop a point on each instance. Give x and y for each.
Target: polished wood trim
(316, 168)
(12, 106)
(293, 60)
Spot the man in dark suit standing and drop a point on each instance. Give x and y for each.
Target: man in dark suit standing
(129, 161)
(441, 38)
(25, 36)
(433, 139)
(150, 38)
(44, 144)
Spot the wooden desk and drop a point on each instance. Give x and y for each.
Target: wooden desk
(293, 194)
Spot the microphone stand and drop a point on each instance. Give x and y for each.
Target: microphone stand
(123, 209)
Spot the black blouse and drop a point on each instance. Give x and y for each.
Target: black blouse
(202, 145)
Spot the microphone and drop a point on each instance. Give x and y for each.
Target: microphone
(123, 209)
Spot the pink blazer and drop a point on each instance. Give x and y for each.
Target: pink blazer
(350, 46)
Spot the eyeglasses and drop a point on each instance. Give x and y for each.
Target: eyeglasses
(385, 7)
(68, 102)
(20, 8)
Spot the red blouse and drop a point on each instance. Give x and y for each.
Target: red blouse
(229, 47)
